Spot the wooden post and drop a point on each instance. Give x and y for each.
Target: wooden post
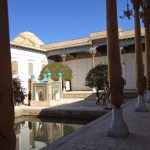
(32, 92)
(93, 53)
(140, 107)
(147, 50)
(118, 127)
(7, 135)
(49, 92)
(146, 21)
(63, 58)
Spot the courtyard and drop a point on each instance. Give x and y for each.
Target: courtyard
(51, 72)
(93, 136)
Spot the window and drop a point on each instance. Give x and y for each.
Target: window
(14, 65)
(30, 69)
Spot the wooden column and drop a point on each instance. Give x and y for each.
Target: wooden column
(118, 127)
(138, 50)
(147, 50)
(7, 135)
(146, 21)
(64, 62)
(32, 90)
(93, 53)
(49, 94)
(63, 58)
(139, 59)
(114, 65)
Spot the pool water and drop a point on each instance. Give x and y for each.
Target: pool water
(36, 133)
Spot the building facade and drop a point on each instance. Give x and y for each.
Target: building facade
(29, 54)
(27, 58)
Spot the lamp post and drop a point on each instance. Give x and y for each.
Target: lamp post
(118, 126)
(146, 20)
(140, 107)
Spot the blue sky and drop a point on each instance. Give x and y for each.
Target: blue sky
(60, 20)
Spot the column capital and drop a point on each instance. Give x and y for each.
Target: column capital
(92, 50)
(63, 56)
(93, 53)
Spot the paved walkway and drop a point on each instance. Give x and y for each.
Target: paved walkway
(93, 136)
(78, 108)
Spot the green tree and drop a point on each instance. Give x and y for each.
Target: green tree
(56, 68)
(18, 91)
(97, 76)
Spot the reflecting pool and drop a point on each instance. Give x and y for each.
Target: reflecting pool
(35, 133)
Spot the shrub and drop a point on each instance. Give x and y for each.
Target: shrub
(97, 76)
(18, 91)
(56, 68)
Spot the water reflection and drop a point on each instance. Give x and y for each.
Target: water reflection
(35, 135)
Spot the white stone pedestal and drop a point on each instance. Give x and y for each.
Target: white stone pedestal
(148, 96)
(94, 89)
(109, 105)
(118, 126)
(141, 106)
(64, 90)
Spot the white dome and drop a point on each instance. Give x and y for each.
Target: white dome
(28, 38)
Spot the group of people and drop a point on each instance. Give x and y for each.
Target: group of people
(106, 92)
(104, 95)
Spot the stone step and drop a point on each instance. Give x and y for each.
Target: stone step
(88, 95)
(79, 95)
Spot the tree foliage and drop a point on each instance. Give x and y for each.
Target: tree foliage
(97, 76)
(18, 91)
(56, 68)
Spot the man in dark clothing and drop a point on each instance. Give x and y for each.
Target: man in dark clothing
(97, 96)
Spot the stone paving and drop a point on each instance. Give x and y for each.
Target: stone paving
(93, 136)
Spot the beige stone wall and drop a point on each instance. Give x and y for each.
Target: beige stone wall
(81, 67)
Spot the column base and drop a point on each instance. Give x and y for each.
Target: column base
(141, 106)
(64, 90)
(148, 97)
(94, 89)
(109, 105)
(118, 126)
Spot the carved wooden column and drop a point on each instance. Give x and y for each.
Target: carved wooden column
(140, 107)
(32, 82)
(49, 94)
(63, 58)
(7, 135)
(146, 21)
(60, 79)
(118, 126)
(93, 53)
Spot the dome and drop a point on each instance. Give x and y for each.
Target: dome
(28, 38)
